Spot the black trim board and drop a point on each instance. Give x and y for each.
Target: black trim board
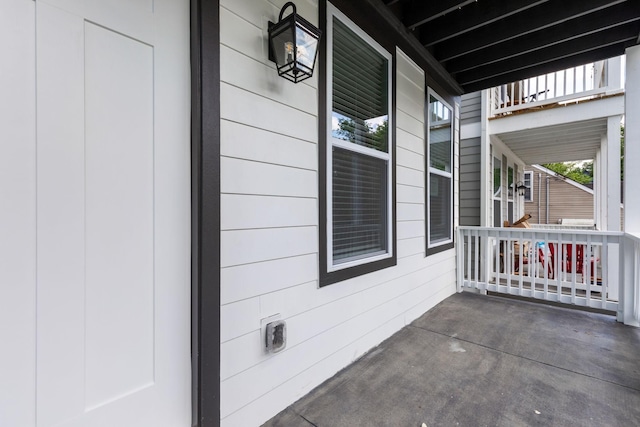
(205, 212)
(438, 249)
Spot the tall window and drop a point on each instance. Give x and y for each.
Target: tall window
(440, 178)
(497, 192)
(528, 183)
(359, 219)
(511, 189)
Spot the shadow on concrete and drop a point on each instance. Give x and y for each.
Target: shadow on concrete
(477, 360)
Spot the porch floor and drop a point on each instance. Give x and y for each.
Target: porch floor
(476, 360)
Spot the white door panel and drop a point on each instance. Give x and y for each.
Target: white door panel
(60, 214)
(119, 215)
(113, 184)
(17, 213)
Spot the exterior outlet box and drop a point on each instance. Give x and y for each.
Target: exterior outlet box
(276, 336)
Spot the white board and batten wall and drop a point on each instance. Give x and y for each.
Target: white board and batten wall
(270, 217)
(95, 213)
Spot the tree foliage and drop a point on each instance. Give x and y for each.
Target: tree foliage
(572, 170)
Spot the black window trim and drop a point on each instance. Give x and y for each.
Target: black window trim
(449, 243)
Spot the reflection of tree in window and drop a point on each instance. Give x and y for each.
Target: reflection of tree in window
(373, 136)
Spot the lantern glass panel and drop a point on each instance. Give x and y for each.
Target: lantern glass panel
(306, 47)
(283, 45)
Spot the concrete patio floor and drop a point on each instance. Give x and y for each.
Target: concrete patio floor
(477, 360)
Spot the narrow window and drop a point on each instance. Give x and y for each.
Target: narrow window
(440, 176)
(528, 183)
(510, 186)
(497, 192)
(358, 148)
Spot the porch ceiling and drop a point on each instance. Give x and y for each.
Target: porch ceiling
(558, 143)
(484, 43)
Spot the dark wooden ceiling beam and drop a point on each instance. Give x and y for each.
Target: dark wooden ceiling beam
(472, 17)
(537, 18)
(574, 29)
(425, 11)
(476, 81)
(622, 34)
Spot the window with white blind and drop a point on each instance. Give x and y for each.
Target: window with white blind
(358, 144)
(440, 177)
(528, 183)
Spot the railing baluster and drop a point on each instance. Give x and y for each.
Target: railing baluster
(521, 256)
(589, 273)
(476, 252)
(467, 260)
(604, 262)
(547, 259)
(574, 273)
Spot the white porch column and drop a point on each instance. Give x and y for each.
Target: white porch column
(597, 188)
(613, 174)
(631, 289)
(486, 171)
(611, 198)
(632, 142)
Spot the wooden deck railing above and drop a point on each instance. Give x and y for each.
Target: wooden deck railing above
(579, 83)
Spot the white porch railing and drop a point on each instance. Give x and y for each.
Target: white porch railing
(588, 268)
(583, 82)
(567, 266)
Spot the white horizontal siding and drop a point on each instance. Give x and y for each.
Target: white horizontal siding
(409, 159)
(410, 229)
(410, 194)
(240, 211)
(245, 142)
(270, 221)
(255, 245)
(409, 212)
(410, 125)
(241, 106)
(408, 176)
(250, 177)
(245, 281)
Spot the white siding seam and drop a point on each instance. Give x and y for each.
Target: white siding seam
(243, 334)
(284, 196)
(271, 292)
(307, 141)
(268, 130)
(409, 185)
(275, 227)
(275, 101)
(270, 259)
(409, 167)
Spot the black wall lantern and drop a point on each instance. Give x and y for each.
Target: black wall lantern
(520, 187)
(293, 45)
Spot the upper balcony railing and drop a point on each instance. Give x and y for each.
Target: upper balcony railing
(576, 84)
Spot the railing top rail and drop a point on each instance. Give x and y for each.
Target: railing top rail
(632, 236)
(538, 231)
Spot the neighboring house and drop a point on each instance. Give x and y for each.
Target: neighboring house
(552, 198)
(166, 195)
(566, 199)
